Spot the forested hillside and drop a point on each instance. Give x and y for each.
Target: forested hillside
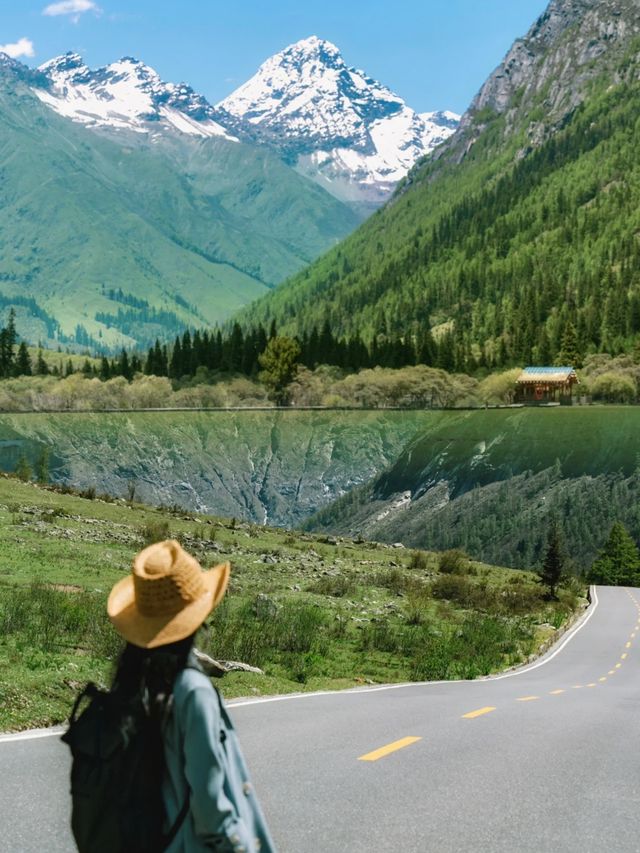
(493, 482)
(519, 241)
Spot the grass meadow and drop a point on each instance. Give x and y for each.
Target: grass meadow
(313, 612)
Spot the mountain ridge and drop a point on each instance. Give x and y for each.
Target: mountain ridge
(502, 241)
(166, 220)
(336, 125)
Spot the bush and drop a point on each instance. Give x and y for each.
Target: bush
(155, 531)
(454, 588)
(454, 562)
(613, 387)
(337, 586)
(418, 561)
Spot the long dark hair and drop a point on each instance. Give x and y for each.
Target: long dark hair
(149, 674)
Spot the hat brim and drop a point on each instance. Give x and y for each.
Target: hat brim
(151, 631)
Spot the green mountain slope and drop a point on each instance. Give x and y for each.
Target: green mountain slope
(189, 230)
(520, 229)
(492, 481)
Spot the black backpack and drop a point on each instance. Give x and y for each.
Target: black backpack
(116, 775)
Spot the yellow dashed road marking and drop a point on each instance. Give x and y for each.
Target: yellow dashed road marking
(612, 672)
(628, 646)
(604, 678)
(622, 657)
(389, 748)
(593, 684)
(473, 714)
(556, 692)
(527, 698)
(577, 686)
(618, 665)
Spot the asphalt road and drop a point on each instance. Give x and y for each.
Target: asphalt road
(545, 759)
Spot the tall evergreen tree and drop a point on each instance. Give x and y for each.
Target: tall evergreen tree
(23, 361)
(569, 355)
(105, 369)
(42, 368)
(176, 366)
(618, 564)
(554, 561)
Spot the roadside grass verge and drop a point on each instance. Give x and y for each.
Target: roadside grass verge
(312, 612)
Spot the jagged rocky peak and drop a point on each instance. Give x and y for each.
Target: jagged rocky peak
(570, 43)
(340, 126)
(125, 95)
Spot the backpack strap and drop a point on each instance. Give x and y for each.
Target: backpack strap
(184, 811)
(89, 692)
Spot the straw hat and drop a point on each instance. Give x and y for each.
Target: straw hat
(166, 597)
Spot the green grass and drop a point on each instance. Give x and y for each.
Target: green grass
(312, 612)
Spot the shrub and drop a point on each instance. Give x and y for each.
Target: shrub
(155, 531)
(337, 586)
(454, 562)
(395, 580)
(418, 561)
(454, 588)
(613, 387)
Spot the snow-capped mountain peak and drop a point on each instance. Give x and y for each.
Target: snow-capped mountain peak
(125, 95)
(337, 125)
(340, 126)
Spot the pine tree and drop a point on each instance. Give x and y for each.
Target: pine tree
(188, 368)
(554, 561)
(11, 341)
(279, 363)
(105, 369)
(123, 367)
(176, 366)
(23, 362)
(618, 564)
(236, 349)
(569, 355)
(427, 349)
(42, 368)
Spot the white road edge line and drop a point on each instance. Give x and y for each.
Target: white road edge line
(34, 734)
(31, 735)
(359, 690)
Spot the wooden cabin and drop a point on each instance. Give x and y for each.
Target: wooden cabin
(540, 385)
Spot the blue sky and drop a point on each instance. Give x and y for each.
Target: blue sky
(433, 53)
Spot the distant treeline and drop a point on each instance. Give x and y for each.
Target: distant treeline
(238, 351)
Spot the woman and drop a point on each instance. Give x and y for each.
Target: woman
(208, 797)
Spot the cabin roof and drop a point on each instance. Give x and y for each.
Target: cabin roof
(548, 375)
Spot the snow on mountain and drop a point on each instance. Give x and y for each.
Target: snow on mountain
(341, 127)
(338, 126)
(126, 95)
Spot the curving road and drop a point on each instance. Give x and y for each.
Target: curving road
(546, 758)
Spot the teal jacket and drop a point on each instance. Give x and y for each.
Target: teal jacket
(205, 763)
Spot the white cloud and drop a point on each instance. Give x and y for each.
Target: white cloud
(22, 47)
(73, 8)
